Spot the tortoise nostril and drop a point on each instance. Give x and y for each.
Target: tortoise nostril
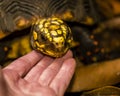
(57, 44)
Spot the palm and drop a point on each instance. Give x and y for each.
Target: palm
(38, 75)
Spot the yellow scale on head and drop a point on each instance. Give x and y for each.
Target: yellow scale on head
(59, 32)
(35, 36)
(51, 37)
(54, 33)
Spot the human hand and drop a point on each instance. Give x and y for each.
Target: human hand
(38, 75)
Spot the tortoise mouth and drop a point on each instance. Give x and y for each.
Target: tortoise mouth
(54, 52)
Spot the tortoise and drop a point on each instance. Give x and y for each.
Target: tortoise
(79, 18)
(57, 25)
(46, 16)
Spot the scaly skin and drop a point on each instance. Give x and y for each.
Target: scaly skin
(51, 36)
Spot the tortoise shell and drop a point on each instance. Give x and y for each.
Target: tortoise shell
(19, 14)
(81, 16)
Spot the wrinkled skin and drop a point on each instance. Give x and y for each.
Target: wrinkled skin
(37, 75)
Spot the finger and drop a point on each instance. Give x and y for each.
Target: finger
(51, 71)
(62, 79)
(38, 69)
(24, 63)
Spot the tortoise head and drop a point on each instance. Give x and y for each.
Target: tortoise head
(51, 36)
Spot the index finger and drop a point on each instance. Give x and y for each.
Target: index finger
(23, 64)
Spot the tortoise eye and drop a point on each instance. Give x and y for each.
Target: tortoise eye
(42, 37)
